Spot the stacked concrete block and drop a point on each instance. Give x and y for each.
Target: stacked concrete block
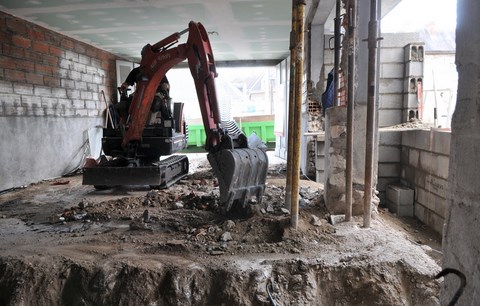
(414, 54)
(320, 158)
(400, 200)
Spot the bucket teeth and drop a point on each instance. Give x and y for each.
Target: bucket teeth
(241, 175)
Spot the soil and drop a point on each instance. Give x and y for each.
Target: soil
(62, 243)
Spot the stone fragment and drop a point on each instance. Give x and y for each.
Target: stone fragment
(227, 236)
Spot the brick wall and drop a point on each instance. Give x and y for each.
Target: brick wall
(43, 73)
(50, 88)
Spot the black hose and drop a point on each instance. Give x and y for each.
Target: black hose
(463, 283)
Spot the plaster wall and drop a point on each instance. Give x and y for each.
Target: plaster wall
(50, 95)
(461, 235)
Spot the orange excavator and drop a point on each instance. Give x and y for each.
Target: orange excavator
(142, 134)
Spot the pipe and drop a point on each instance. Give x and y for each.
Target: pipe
(336, 47)
(291, 104)
(298, 110)
(370, 141)
(352, 39)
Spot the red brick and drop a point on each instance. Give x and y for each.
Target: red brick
(53, 38)
(13, 51)
(56, 51)
(42, 69)
(5, 37)
(51, 81)
(15, 75)
(50, 60)
(93, 52)
(6, 62)
(67, 44)
(26, 66)
(21, 41)
(36, 33)
(34, 78)
(16, 25)
(80, 47)
(33, 56)
(41, 47)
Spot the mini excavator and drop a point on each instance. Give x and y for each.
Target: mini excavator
(143, 133)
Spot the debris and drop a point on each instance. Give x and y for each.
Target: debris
(84, 203)
(228, 225)
(334, 219)
(315, 221)
(56, 183)
(176, 205)
(285, 211)
(227, 236)
(137, 225)
(146, 216)
(175, 242)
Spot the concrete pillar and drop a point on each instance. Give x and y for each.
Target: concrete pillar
(461, 235)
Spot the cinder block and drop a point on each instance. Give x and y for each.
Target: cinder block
(6, 87)
(410, 113)
(420, 212)
(59, 92)
(400, 195)
(389, 117)
(389, 170)
(414, 68)
(414, 158)
(410, 100)
(441, 142)
(390, 137)
(411, 83)
(414, 52)
(83, 59)
(389, 154)
(392, 70)
(436, 185)
(88, 78)
(23, 89)
(422, 140)
(42, 91)
(65, 83)
(390, 86)
(388, 101)
(392, 55)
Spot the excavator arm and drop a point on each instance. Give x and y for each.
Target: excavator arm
(241, 171)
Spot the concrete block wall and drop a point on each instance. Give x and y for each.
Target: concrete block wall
(425, 161)
(50, 88)
(393, 69)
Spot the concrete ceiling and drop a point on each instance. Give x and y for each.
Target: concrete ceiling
(240, 30)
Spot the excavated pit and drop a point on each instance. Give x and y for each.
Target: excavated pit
(62, 243)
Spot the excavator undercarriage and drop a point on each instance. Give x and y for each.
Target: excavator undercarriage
(137, 139)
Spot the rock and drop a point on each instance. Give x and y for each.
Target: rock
(270, 208)
(175, 242)
(146, 216)
(216, 253)
(263, 211)
(151, 193)
(315, 221)
(84, 203)
(177, 205)
(136, 225)
(228, 225)
(285, 211)
(227, 236)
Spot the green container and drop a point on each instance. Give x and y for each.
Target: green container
(263, 129)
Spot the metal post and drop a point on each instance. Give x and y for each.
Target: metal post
(352, 39)
(298, 110)
(291, 108)
(336, 61)
(370, 141)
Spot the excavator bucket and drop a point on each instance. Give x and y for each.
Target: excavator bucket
(241, 175)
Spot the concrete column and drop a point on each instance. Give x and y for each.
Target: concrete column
(461, 235)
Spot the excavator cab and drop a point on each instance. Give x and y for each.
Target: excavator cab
(140, 140)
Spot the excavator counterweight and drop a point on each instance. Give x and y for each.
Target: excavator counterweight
(143, 134)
